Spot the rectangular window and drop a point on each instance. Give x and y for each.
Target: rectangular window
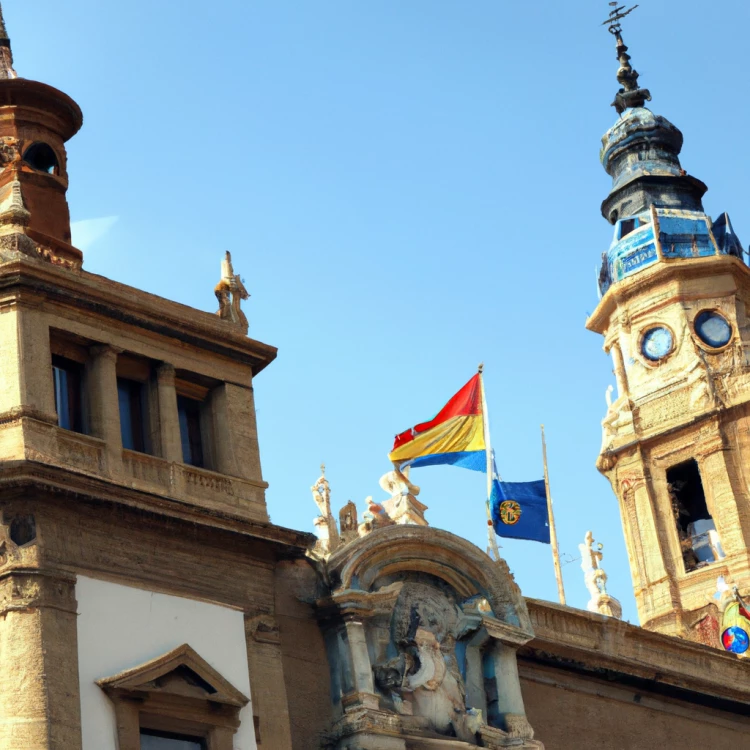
(163, 741)
(627, 226)
(67, 377)
(190, 430)
(133, 417)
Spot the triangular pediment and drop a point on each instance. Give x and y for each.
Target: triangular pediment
(181, 672)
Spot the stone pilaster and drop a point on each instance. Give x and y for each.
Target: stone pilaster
(267, 686)
(27, 364)
(39, 692)
(235, 436)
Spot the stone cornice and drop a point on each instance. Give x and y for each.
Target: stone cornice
(24, 278)
(678, 270)
(20, 476)
(597, 643)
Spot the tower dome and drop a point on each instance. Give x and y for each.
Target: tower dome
(641, 154)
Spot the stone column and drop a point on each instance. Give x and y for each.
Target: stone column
(169, 421)
(364, 687)
(40, 704)
(509, 698)
(476, 694)
(104, 408)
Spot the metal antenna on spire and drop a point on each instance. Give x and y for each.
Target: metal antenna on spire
(630, 95)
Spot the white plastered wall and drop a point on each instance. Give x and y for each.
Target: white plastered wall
(120, 627)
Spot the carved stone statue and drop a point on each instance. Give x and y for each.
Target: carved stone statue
(403, 506)
(596, 579)
(424, 680)
(374, 517)
(325, 523)
(230, 292)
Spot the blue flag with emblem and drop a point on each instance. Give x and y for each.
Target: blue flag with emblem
(519, 509)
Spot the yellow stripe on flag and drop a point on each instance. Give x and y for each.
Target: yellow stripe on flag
(456, 435)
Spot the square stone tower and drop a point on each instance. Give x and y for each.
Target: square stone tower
(674, 316)
(136, 554)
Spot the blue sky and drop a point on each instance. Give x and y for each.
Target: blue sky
(408, 188)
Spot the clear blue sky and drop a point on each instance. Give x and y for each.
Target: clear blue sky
(408, 188)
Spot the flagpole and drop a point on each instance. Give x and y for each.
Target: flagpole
(552, 530)
(488, 451)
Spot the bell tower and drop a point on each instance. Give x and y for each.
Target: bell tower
(674, 316)
(36, 120)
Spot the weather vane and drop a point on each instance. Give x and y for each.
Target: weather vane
(630, 95)
(615, 16)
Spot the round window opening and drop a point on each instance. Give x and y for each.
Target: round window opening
(41, 157)
(657, 343)
(713, 329)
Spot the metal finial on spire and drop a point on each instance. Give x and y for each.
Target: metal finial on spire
(629, 95)
(6, 55)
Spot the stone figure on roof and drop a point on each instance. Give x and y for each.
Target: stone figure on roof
(230, 292)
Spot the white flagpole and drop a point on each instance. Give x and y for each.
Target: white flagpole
(488, 450)
(552, 530)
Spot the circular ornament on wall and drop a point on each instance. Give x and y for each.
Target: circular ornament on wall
(735, 640)
(713, 329)
(657, 343)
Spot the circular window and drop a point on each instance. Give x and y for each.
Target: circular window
(41, 157)
(713, 329)
(657, 343)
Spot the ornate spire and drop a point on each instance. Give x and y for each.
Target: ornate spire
(629, 95)
(6, 55)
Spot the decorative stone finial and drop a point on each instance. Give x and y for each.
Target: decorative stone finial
(629, 95)
(348, 523)
(596, 579)
(230, 292)
(6, 54)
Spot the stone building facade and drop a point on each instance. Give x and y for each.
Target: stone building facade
(146, 601)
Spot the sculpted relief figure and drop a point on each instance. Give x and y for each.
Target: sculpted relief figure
(403, 506)
(425, 679)
(619, 415)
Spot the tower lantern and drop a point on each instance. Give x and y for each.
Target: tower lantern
(673, 313)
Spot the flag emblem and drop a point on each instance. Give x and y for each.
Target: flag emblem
(510, 512)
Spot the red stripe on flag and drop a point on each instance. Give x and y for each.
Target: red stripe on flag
(466, 402)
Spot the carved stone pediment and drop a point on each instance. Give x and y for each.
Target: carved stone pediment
(181, 673)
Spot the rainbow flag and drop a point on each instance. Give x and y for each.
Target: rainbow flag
(455, 436)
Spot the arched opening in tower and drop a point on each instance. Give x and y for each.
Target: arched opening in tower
(699, 540)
